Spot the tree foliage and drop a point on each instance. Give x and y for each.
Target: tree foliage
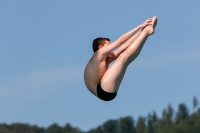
(170, 122)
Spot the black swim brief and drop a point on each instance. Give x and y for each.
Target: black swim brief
(103, 95)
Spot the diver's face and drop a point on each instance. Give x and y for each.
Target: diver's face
(106, 43)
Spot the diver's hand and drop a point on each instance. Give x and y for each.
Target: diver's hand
(145, 23)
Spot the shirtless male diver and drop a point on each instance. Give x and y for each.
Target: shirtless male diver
(104, 81)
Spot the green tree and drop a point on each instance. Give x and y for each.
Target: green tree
(140, 126)
(150, 126)
(99, 129)
(195, 103)
(165, 124)
(168, 116)
(127, 125)
(182, 113)
(36, 129)
(54, 128)
(4, 128)
(69, 129)
(20, 128)
(111, 126)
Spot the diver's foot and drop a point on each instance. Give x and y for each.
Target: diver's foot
(150, 28)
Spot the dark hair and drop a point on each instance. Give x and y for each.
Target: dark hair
(98, 41)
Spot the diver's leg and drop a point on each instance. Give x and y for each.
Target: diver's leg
(114, 75)
(112, 78)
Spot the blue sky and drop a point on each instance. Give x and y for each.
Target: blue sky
(45, 46)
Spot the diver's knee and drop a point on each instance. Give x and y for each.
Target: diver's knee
(122, 57)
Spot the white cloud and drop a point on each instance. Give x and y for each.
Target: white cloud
(36, 84)
(169, 59)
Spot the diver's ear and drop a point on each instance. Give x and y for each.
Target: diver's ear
(100, 46)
